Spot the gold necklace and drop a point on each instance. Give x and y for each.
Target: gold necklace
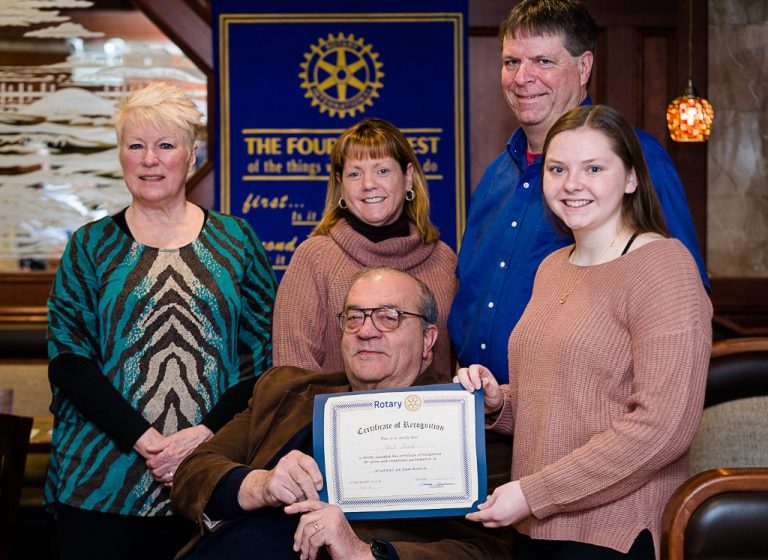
(588, 268)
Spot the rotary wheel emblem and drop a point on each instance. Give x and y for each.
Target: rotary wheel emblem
(413, 403)
(341, 75)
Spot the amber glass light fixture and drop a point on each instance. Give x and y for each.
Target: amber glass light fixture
(689, 117)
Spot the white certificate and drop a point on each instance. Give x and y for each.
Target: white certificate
(417, 451)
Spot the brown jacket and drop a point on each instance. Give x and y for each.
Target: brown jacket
(282, 404)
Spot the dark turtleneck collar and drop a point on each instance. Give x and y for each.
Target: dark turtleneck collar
(399, 228)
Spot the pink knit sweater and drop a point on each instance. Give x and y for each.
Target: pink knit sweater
(305, 330)
(606, 391)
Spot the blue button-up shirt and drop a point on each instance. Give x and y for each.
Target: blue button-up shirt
(510, 230)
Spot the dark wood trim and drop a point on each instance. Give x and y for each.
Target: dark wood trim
(185, 24)
(23, 318)
(739, 345)
(694, 492)
(740, 293)
(202, 8)
(741, 304)
(21, 293)
(483, 31)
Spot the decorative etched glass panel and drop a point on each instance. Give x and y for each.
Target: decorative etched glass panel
(60, 80)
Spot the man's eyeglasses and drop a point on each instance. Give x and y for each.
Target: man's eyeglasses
(385, 319)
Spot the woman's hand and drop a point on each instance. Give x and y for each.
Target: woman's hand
(164, 463)
(476, 376)
(507, 505)
(150, 443)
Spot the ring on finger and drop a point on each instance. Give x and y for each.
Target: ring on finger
(316, 526)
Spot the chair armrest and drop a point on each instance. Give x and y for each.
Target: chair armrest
(729, 346)
(694, 492)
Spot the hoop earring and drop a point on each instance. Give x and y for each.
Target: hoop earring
(410, 195)
(342, 203)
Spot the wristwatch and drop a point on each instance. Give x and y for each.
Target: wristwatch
(383, 550)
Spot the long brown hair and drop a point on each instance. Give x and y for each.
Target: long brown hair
(377, 138)
(640, 210)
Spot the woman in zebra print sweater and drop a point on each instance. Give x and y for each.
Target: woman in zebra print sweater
(159, 324)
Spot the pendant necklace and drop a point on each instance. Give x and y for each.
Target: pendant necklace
(589, 268)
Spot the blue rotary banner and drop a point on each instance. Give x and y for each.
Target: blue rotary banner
(292, 75)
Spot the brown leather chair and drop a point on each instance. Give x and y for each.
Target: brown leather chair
(720, 514)
(14, 442)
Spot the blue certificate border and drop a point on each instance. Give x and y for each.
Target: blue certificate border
(318, 428)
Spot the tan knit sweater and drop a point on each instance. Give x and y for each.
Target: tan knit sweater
(606, 392)
(305, 330)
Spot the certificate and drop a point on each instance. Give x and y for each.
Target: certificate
(410, 452)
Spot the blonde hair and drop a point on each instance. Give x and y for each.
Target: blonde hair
(163, 104)
(377, 138)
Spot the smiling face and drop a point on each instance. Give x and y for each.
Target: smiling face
(585, 181)
(374, 188)
(541, 81)
(378, 360)
(155, 163)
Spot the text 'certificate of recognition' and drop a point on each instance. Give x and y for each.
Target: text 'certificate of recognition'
(412, 452)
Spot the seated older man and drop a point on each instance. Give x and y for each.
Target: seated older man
(253, 488)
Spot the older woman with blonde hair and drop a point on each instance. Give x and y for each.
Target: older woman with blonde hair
(376, 214)
(159, 323)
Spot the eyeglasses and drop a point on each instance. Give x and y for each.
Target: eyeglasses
(385, 319)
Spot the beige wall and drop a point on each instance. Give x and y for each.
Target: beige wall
(737, 232)
(31, 390)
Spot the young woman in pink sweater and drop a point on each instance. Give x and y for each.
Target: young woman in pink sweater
(607, 366)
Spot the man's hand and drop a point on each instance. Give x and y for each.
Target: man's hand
(507, 505)
(325, 525)
(476, 376)
(295, 478)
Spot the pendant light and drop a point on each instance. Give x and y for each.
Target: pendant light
(689, 117)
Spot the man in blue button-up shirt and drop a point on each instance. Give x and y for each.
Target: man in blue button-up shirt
(547, 53)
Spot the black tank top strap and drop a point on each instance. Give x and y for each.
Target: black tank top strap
(629, 243)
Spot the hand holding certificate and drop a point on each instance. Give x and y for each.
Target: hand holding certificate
(411, 452)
